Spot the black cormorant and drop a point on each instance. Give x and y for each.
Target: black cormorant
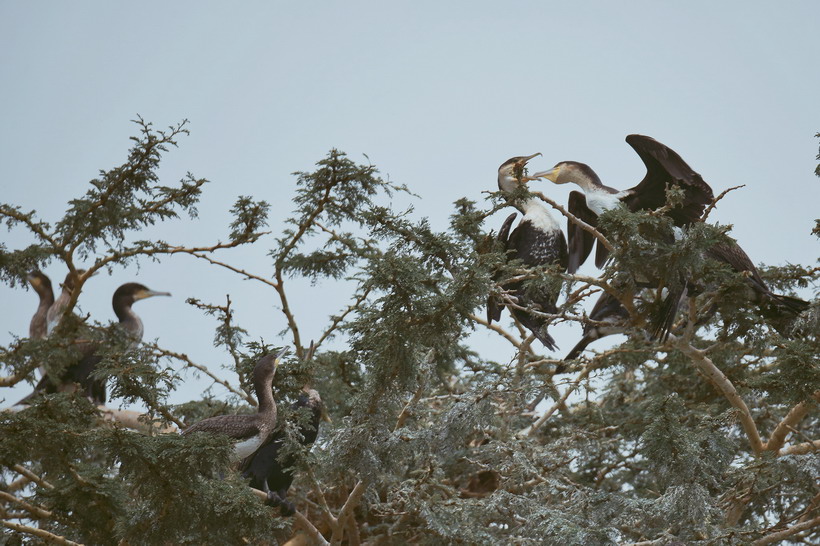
(79, 373)
(271, 471)
(249, 432)
(38, 328)
(536, 241)
(664, 167)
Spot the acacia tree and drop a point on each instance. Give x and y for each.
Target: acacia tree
(709, 437)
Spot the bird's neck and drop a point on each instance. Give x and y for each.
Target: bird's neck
(264, 396)
(129, 321)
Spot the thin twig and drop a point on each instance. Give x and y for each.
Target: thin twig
(718, 198)
(580, 223)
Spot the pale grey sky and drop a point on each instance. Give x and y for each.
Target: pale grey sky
(436, 94)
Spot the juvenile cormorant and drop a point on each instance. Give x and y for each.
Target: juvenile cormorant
(536, 241)
(38, 328)
(248, 431)
(664, 167)
(79, 373)
(55, 312)
(271, 471)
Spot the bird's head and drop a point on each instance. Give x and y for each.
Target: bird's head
(569, 171)
(132, 291)
(512, 173)
(38, 280)
(267, 365)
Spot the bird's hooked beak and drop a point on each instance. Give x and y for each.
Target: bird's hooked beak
(551, 175)
(149, 294)
(278, 358)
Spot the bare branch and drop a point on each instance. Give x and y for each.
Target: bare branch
(303, 521)
(51, 537)
(35, 511)
(781, 431)
(158, 351)
(718, 198)
(583, 225)
(32, 476)
(722, 383)
(789, 531)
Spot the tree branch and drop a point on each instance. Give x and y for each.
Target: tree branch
(57, 539)
(789, 531)
(580, 223)
(781, 431)
(303, 521)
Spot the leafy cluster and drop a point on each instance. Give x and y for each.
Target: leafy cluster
(708, 437)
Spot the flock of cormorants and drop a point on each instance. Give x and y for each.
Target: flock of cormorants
(257, 439)
(539, 241)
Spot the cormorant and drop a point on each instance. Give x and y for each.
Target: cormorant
(271, 471)
(38, 328)
(664, 167)
(779, 310)
(536, 241)
(248, 431)
(79, 373)
(55, 312)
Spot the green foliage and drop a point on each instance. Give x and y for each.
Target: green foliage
(634, 444)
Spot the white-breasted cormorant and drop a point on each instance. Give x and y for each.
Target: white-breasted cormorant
(79, 372)
(271, 471)
(664, 167)
(536, 241)
(249, 432)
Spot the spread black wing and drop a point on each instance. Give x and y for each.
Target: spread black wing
(665, 167)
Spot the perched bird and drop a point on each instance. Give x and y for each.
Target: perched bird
(38, 328)
(536, 241)
(55, 312)
(778, 310)
(272, 471)
(79, 372)
(249, 432)
(607, 310)
(664, 167)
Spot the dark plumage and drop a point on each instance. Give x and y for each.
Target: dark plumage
(536, 241)
(79, 373)
(607, 310)
(248, 431)
(779, 310)
(272, 471)
(664, 167)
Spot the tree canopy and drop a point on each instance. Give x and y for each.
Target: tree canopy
(708, 437)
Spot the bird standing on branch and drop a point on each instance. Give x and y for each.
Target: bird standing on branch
(248, 432)
(536, 241)
(79, 372)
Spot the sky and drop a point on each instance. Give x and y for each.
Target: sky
(437, 95)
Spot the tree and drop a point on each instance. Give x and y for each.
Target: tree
(709, 437)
